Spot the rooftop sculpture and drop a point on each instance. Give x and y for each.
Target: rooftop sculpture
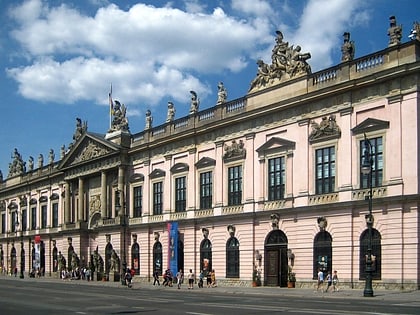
(287, 62)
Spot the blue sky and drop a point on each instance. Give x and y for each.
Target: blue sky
(59, 58)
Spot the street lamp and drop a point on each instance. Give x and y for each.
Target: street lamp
(367, 169)
(121, 213)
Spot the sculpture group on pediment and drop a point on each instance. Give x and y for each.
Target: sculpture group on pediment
(286, 62)
(327, 127)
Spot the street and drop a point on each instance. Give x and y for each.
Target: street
(36, 296)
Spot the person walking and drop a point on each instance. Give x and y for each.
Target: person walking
(191, 279)
(213, 279)
(335, 281)
(329, 281)
(320, 280)
(200, 279)
(156, 278)
(179, 278)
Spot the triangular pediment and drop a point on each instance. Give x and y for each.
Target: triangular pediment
(370, 124)
(88, 147)
(276, 144)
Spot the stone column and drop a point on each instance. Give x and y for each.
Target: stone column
(121, 188)
(104, 189)
(67, 202)
(80, 214)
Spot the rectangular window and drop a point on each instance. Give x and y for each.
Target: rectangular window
(276, 178)
(157, 198)
(14, 221)
(3, 223)
(33, 218)
(24, 220)
(44, 216)
(235, 185)
(55, 215)
(180, 194)
(206, 190)
(377, 163)
(325, 170)
(138, 201)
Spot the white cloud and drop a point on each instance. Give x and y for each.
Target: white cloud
(153, 52)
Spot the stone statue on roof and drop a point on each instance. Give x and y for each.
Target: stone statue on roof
(394, 32)
(347, 49)
(119, 117)
(287, 62)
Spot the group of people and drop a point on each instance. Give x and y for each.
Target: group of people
(168, 278)
(332, 281)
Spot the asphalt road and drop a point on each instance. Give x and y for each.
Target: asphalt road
(34, 296)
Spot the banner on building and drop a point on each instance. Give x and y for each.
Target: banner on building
(37, 250)
(173, 247)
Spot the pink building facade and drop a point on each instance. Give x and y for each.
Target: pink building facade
(254, 188)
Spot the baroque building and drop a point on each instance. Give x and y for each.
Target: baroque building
(254, 187)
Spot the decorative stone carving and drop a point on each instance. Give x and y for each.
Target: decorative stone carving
(221, 94)
(149, 119)
(287, 62)
(348, 48)
(195, 102)
(17, 166)
(91, 151)
(235, 150)
(119, 118)
(327, 128)
(95, 203)
(322, 223)
(415, 31)
(171, 112)
(394, 32)
(275, 218)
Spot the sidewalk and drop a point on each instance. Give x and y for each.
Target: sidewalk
(393, 295)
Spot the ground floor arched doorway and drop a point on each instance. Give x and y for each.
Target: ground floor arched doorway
(275, 253)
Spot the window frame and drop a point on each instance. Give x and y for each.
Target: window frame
(330, 181)
(206, 200)
(378, 159)
(235, 185)
(276, 191)
(157, 207)
(180, 193)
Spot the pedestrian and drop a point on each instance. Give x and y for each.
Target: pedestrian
(213, 279)
(208, 277)
(179, 278)
(320, 280)
(156, 277)
(200, 279)
(329, 281)
(191, 279)
(335, 281)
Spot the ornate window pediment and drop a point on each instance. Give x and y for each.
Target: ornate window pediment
(276, 144)
(327, 129)
(370, 124)
(54, 196)
(136, 178)
(43, 199)
(205, 162)
(157, 173)
(179, 167)
(12, 206)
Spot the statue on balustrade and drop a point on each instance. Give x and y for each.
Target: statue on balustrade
(287, 62)
(348, 48)
(394, 32)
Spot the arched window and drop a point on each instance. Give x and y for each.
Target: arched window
(13, 259)
(135, 258)
(108, 253)
(322, 253)
(376, 254)
(205, 255)
(157, 257)
(232, 258)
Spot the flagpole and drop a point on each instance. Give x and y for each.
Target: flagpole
(111, 106)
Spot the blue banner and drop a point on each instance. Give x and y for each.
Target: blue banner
(173, 247)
